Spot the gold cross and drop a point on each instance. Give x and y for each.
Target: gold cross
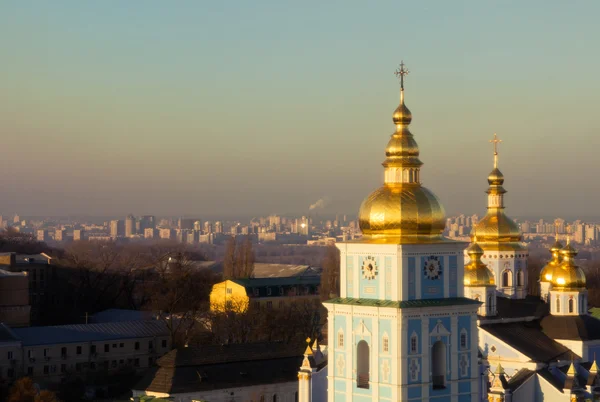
(401, 72)
(496, 141)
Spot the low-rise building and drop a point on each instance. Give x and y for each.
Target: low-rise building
(48, 354)
(269, 293)
(225, 373)
(14, 298)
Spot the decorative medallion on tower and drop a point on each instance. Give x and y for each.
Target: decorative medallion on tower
(432, 268)
(369, 268)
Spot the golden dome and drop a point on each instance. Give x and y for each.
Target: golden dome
(476, 272)
(568, 275)
(548, 270)
(408, 211)
(496, 178)
(402, 209)
(496, 227)
(402, 115)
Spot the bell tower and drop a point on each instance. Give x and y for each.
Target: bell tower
(402, 328)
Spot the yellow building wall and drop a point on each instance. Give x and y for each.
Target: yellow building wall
(228, 296)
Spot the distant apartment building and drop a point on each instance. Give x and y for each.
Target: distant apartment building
(130, 228)
(150, 233)
(78, 234)
(49, 354)
(147, 222)
(166, 233)
(218, 227)
(117, 228)
(186, 223)
(42, 235)
(60, 235)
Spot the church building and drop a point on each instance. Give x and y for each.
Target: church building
(424, 318)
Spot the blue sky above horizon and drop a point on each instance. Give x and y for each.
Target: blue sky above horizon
(264, 107)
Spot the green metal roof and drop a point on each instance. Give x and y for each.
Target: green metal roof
(452, 301)
(285, 281)
(595, 312)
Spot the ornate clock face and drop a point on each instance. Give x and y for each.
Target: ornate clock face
(432, 268)
(369, 268)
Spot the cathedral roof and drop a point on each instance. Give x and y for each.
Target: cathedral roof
(448, 301)
(571, 327)
(223, 366)
(529, 339)
(531, 307)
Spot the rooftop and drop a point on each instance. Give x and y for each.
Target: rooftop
(279, 281)
(529, 338)
(90, 332)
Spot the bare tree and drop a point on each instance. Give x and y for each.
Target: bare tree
(239, 259)
(179, 292)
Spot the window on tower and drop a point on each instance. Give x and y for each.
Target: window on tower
(463, 339)
(557, 304)
(507, 278)
(438, 365)
(520, 278)
(340, 339)
(571, 304)
(386, 344)
(362, 365)
(414, 345)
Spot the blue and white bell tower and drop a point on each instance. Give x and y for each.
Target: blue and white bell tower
(401, 329)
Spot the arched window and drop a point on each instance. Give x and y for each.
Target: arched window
(275, 399)
(362, 365)
(341, 339)
(507, 278)
(489, 304)
(438, 365)
(581, 305)
(463, 339)
(296, 396)
(571, 304)
(520, 278)
(385, 344)
(557, 305)
(414, 344)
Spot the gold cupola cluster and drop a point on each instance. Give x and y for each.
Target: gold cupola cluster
(495, 229)
(402, 210)
(548, 270)
(476, 272)
(567, 275)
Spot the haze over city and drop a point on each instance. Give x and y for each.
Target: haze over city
(243, 108)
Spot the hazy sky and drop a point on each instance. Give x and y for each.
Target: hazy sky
(254, 107)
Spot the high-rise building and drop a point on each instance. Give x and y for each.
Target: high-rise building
(198, 226)
(117, 228)
(42, 235)
(150, 233)
(60, 235)
(218, 227)
(78, 234)
(147, 221)
(186, 223)
(208, 227)
(130, 226)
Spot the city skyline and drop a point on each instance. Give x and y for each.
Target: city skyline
(258, 109)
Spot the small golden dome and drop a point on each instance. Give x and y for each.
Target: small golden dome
(411, 212)
(568, 275)
(402, 115)
(496, 178)
(548, 270)
(496, 227)
(476, 272)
